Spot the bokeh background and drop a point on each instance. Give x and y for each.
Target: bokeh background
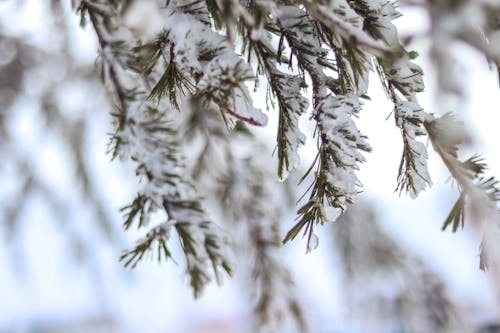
(60, 195)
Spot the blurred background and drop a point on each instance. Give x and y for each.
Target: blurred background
(388, 267)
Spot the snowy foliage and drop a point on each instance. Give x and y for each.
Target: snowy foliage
(145, 135)
(178, 74)
(167, 60)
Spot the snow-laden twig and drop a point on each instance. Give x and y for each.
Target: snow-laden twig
(402, 80)
(145, 134)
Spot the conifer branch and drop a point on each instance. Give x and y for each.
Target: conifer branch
(217, 72)
(254, 213)
(305, 42)
(335, 183)
(402, 80)
(192, 61)
(338, 16)
(477, 192)
(372, 258)
(147, 137)
(285, 87)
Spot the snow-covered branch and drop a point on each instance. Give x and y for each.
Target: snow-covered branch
(147, 135)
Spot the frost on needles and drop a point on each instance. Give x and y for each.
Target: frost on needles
(311, 54)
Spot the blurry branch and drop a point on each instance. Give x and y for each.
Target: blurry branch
(388, 289)
(479, 193)
(473, 23)
(247, 196)
(16, 84)
(278, 302)
(75, 130)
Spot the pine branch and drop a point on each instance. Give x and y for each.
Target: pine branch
(159, 234)
(413, 175)
(338, 16)
(147, 137)
(285, 87)
(402, 80)
(172, 83)
(476, 190)
(192, 61)
(218, 73)
(335, 184)
(303, 38)
(372, 258)
(456, 217)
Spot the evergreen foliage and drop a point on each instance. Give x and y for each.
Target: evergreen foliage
(182, 84)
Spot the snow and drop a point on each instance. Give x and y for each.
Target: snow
(149, 138)
(404, 77)
(331, 214)
(419, 172)
(143, 18)
(292, 104)
(168, 300)
(342, 19)
(407, 74)
(343, 140)
(448, 131)
(215, 67)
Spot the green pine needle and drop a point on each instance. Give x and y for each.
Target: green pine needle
(171, 84)
(456, 217)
